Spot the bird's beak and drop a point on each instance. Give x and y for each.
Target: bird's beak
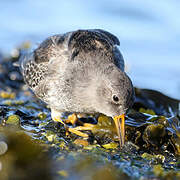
(119, 122)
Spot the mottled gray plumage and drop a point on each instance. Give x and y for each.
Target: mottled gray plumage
(80, 71)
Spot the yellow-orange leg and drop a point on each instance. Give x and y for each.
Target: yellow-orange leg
(77, 130)
(72, 119)
(56, 116)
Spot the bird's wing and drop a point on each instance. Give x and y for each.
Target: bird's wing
(119, 60)
(108, 35)
(85, 41)
(35, 66)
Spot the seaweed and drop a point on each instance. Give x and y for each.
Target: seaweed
(29, 138)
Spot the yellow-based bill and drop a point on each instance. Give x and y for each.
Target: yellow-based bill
(119, 122)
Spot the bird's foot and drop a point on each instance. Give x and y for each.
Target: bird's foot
(73, 119)
(77, 130)
(57, 119)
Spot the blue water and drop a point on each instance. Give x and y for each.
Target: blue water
(149, 32)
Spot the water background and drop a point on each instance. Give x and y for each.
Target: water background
(149, 32)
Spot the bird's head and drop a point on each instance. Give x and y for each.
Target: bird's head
(115, 92)
(115, 95)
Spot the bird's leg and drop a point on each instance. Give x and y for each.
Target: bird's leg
(74, 118)
(88, 126)
(56, 116)
(77, 130)
(84, 126)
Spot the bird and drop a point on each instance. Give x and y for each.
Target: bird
(81, 71)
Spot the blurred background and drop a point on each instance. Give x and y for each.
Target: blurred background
(149, 32)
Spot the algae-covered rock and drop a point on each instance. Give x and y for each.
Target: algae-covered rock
(7, 95)
(22, 158)
(13, 120)
(105, 128)
(81, 142)
(110, 145)
(42, 116)
(63, 173)
(158, 170)
(147, 111)
(50, 135)
(154, 134)
(159, 158)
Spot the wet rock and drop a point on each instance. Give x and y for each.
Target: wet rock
(13, 120)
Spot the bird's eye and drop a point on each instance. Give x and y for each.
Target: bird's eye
(115, 98)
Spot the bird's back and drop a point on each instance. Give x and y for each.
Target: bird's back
(96, 42)
(53, 54)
